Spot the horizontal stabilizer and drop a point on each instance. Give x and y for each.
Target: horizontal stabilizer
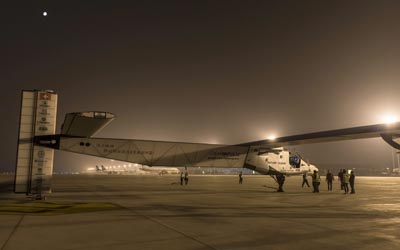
(85, 124)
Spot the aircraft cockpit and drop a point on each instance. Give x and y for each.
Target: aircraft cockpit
(294, 160)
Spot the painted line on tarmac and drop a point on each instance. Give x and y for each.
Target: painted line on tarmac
(167, 226)
(12, 232)
(155, 221)
(40, 208)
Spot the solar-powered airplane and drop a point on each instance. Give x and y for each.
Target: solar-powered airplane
(38, 140)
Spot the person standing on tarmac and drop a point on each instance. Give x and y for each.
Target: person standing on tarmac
(340, 177)
(346, 179)
(351, 181)
(280, 178)
(316, 179)
(186, 177)
(240, 178)
(305, 181)
(181, 178)
(329, 179)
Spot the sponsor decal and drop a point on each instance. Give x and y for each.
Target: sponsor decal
(44, 111)
(44, 96)
(43, 128)
(41, 154)
(123, 151)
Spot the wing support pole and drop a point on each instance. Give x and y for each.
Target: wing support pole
(389, 138)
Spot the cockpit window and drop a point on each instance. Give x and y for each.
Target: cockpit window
(294, 161)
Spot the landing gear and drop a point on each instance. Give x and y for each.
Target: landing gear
(280, 179)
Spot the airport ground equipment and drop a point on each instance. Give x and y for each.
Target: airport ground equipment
(34, 164)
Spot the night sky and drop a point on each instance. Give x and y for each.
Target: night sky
(207, 71)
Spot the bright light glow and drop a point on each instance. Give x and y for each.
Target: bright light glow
(271, 137)
(210, 140)
(390, 119)
(44, 13)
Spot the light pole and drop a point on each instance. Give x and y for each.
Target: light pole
(393, 159)
(398, 159)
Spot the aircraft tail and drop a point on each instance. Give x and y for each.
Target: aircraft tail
(34, 164)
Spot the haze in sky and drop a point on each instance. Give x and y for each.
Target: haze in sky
(208, 71)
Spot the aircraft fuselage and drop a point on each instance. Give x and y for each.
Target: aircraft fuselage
(277, 161)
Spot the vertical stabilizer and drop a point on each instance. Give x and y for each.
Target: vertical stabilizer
(34, 166)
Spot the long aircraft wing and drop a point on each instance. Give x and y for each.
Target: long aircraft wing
(79, 128)
(389, 132)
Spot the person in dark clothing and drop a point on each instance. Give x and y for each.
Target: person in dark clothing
(340, 177)
(240, 178)
(346, 180)
(305, 181)
(351, 181)
(329, 180)
(182, 178)
(186, 177)
(280, 178)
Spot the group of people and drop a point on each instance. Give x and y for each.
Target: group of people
(346, 179)
(343, 176)
(316, 180)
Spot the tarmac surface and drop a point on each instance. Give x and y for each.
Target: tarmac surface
(212, 212)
